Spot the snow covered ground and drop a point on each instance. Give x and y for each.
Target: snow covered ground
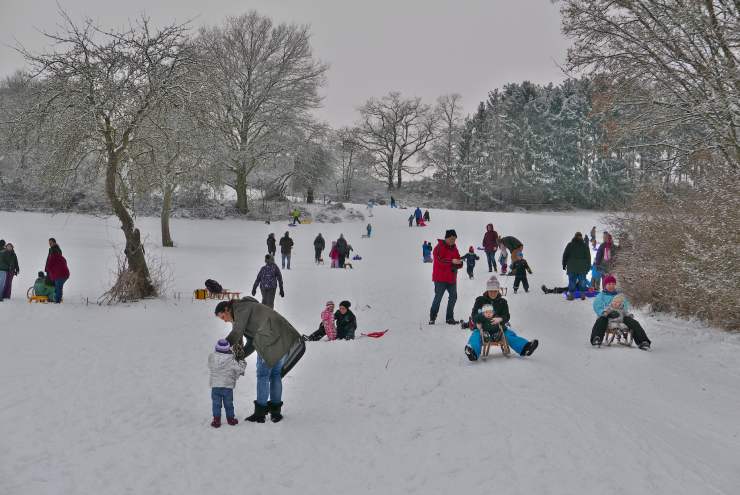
(115, 400)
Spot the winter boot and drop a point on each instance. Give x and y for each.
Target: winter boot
(530, 347)
(596, 341)
(544, 289)
(470, 353)
(645, 346)
(216, 423)
(232, 421)
(275, 407)
(259, 414)
(570, 296)
(452, 322)
(583, 296)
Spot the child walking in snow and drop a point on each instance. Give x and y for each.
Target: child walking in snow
(503, 256)
(470, 259)
(225, 370)
(520, 268)
(326, 327)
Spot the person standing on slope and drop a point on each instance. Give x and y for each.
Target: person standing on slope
(319, 244)
(576, 263)
(444, 275)
(490, 244)
(286, 247)
(514, 246)
(271, 245)
(268, 279)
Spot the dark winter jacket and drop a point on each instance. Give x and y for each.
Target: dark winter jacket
(6, 259)
(14, 267)
(511, 243)
(576, 257)
(342, 247)
(490, 239)
(493, 331)
(286, 244)
(266, 330)
(599, 261)
(346, 324)
(56, 266)
(319, 243)
(269, 277)
(271, 245)
(520, 266)
(443, 270)
(426, 216)
(470, 259)
(500, 307)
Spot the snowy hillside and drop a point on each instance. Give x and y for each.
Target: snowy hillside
(115, 400)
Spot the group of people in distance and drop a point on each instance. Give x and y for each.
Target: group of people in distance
(49, 283)
(421, 219)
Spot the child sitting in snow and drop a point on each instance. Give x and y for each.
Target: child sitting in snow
(520, 268)
(326, 327)
(470, 259)
(225, 370)
(611, 304)
(491, 313)
(42, 287)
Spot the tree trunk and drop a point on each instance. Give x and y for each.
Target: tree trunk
(165, 216)
(400, 171)
(309, 195)
(134, 251)
(241, 190)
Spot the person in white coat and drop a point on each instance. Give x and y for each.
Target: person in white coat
(225, 370)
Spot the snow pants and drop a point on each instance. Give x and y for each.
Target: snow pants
(516, 342)
(638, 333)
(439, 290)
(225, 396)
(268, 296)
(523, 280)
(317, 254)
(269, 382)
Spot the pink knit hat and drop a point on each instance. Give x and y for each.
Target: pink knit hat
(609, 279)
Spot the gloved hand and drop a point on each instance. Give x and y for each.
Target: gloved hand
(497, 320)
(238, 350)
(254, 292)
(282, 293)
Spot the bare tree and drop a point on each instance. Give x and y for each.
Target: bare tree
(97, 88)
(675, 61)
(394, 129)
(263, 79)
(443, 154)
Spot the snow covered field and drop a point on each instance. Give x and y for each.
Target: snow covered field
(115, 400)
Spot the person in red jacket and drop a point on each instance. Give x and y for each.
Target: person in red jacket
(57, 270)
(490, 245)
(444, 275)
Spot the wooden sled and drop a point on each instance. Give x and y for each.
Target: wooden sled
(33, 298)
(488, 343)
(617, 330)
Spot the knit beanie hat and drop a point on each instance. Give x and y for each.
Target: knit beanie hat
(223, 346)
(487, 307)
(450, 233)
(330, 303)
(493, 284)
(609, 279)
(471, 250)
(346, 304)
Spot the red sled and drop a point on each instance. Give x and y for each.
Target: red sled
(375, 335)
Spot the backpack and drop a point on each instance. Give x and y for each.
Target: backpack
(214, 287)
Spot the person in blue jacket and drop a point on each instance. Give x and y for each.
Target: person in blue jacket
(417, 216)
(426, 251)
(612, 304)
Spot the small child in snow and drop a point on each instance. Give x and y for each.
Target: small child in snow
(326, 327)
(41, 287)
(470, 259)
(426, 252)
(334, 255)
(411, 220)
(225, 370)
(369, 230)
(520, 268)
(503, 257)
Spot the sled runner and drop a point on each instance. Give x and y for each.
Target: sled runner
(619, 331)
(32, 297)
(488, 343)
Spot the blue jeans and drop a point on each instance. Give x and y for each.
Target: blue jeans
(576, 281)
(491, 258)
(516, 342)
(286, 257)
(439, 290)
(269, 382)
(58, 289)
(225, 395)
(3, 277)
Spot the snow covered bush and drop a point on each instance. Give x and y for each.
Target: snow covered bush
(680, 250)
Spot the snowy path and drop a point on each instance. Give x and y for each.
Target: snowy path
(116, 400)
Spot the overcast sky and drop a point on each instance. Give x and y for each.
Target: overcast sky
(419, 47)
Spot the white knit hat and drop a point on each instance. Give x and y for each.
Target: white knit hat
(493, 283)
(487, 307)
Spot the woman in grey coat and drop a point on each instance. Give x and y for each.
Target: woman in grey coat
(276, 343)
